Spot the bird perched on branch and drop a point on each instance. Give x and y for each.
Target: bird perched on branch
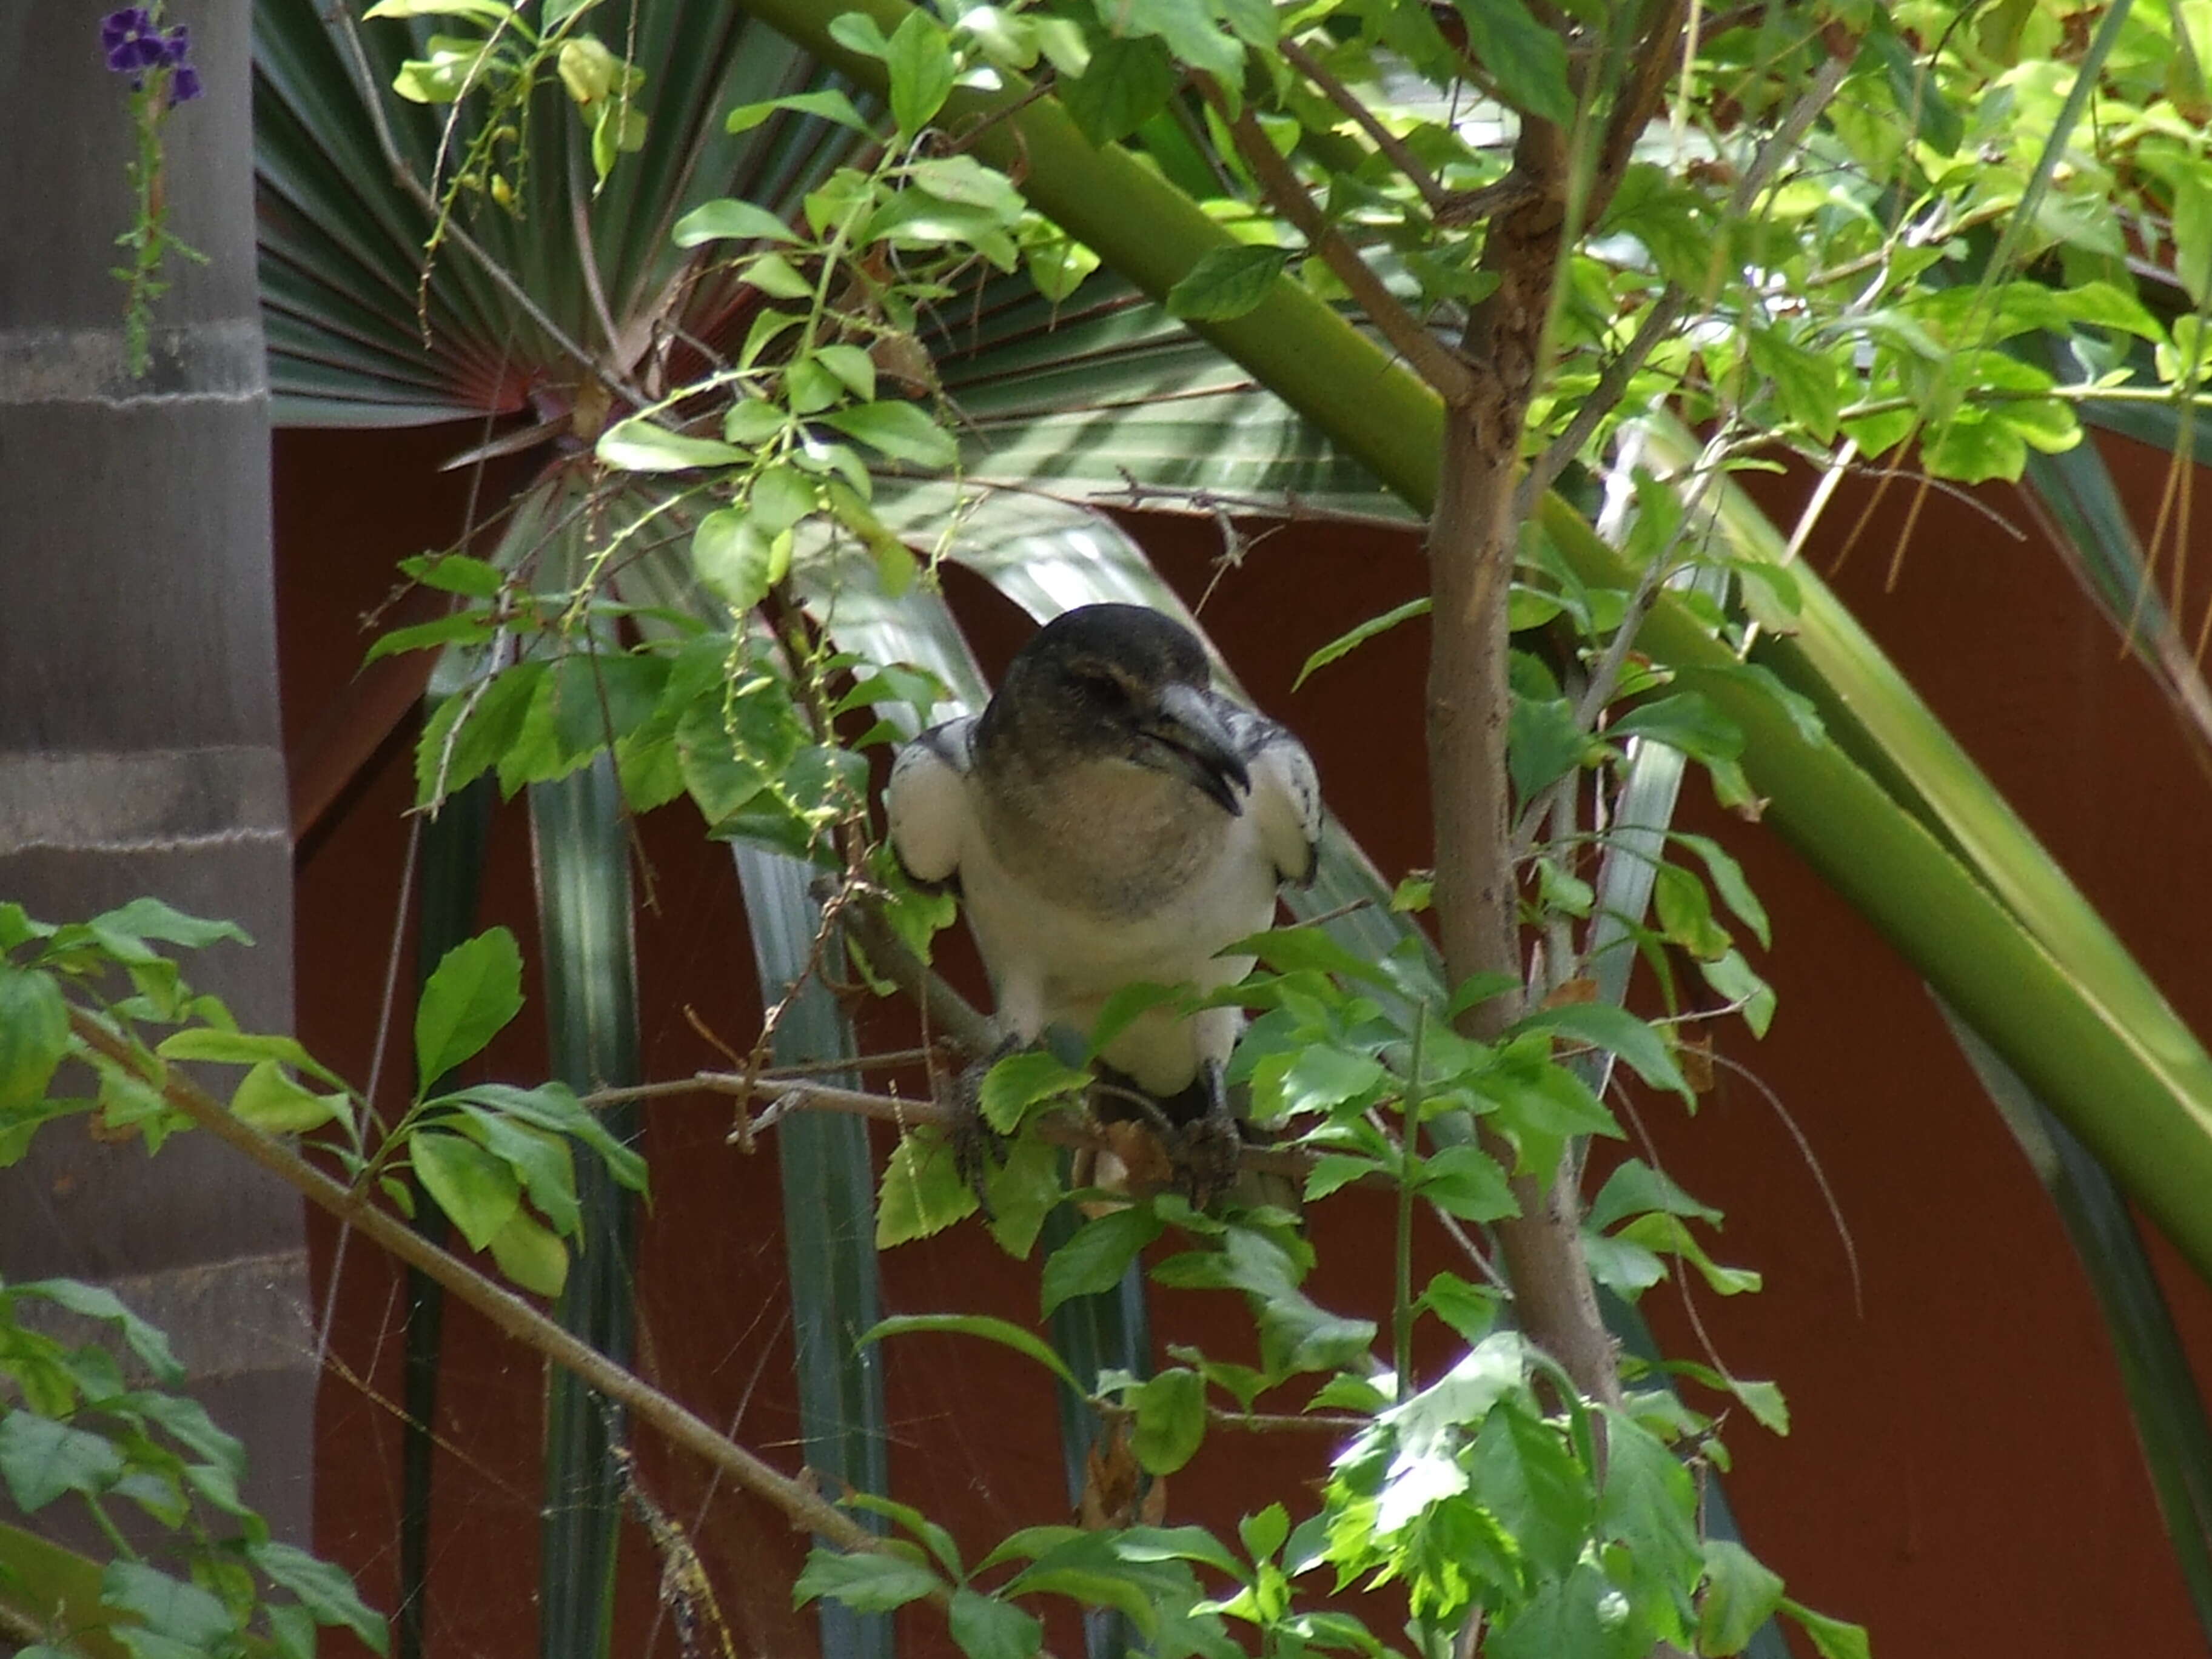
(1108, 819)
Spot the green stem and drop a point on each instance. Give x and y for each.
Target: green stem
(1409, 1133)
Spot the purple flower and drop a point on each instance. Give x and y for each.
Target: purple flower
(175, 46)
(184, 85)
(131, 42)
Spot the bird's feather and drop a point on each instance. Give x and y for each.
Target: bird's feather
(1083, 865)
(926, 803)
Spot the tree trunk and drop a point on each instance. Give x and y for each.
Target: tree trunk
(1471, 557)
(139, 746)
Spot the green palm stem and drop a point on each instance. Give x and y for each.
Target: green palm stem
(584, 916)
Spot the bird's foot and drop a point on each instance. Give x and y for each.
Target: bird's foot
(977, 1148)
(1206, 1153)
(1208, 1149)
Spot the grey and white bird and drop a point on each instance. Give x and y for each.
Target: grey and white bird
(1108, 819)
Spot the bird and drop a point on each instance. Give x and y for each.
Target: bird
(1108, 819)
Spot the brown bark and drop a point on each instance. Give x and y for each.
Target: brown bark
(1471, 554)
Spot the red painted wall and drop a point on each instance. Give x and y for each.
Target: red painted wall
(1961, 1475)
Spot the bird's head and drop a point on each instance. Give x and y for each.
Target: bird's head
(1106, 681)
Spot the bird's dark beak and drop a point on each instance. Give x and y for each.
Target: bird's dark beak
(1189, 740)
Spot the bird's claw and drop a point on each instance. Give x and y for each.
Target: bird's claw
(977, 1148)
(1206, 1153)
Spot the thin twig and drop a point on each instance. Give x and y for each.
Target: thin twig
(1427, 355)
(1392, 146)
(508, 1313)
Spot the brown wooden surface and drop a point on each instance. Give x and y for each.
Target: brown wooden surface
(1961, 1475)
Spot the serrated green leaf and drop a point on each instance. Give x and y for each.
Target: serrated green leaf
(324, 1589)
(41, 1458)
(922, 1193)
(1529, 61)
(1739, 1594)
(1020, 1081)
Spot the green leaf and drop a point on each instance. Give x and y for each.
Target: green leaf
(1805, 382)
(1529, 61)
(1001, 1331)
(1728, 882)
(1021, 1192)
(1345, 643)
(831, 106)
(477, 1190)
(1097, 1254)
(236, 1048)
(1323, 1077)
(1832, 1638)
(1020, 1081)
(182, 1612)
(918, 57)
(866, 1581)
(455, 572)
(96, 1301)
(149, 918)
(41, 1458)
(1636, 1189)
(1226, 282)
(1617, 1032)
(637, 445)
(902, 431)
(1740, 1594)
(2193, 234)
(1170, 1419)
(1332, 1170)
(273, 1104)
(1125, 83)
(476, 989)
(727, 219)
(530, 1255)
(34, 1034)
(987, 1628)
(324, 1589)
(1466, 1182)
(940, 1542)
(1263, 1534)
(735, 560)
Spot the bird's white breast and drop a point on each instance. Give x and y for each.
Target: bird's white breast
(1121, 875)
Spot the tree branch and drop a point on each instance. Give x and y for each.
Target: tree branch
(1432, 361)
(1392, 146)
(507, 1312)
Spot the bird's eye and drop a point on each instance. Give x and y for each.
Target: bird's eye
(1102, 684)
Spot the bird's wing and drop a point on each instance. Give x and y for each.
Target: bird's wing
(1285, 803)
(925, 802)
